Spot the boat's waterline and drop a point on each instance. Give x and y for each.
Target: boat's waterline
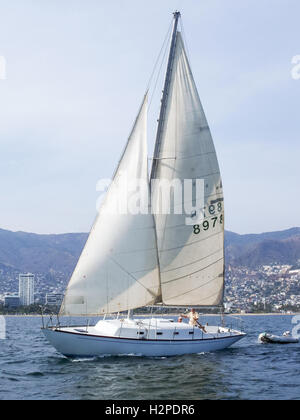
(81, 342)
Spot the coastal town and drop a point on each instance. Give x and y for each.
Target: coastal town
(269, 288)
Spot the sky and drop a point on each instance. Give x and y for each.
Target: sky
(76, 72)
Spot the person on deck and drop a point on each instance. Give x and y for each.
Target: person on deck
(193, 317)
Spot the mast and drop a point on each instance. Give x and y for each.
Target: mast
(165, 95)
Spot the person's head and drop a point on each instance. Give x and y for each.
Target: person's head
(193, 310)
(180, 319)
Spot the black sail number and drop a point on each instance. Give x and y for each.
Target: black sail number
(197, 229)
(208, 224)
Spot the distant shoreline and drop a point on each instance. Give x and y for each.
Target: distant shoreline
(154, 315)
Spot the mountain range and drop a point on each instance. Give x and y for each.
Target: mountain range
(254, 250)
(29, 252)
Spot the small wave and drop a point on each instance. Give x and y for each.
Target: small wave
(130, 355)
(13, 379)
(82, 359)
(36, 374)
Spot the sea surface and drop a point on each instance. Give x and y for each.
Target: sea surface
(31, 369)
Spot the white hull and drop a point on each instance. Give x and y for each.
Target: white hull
(78, 342)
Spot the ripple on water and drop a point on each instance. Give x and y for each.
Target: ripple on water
(31, 369)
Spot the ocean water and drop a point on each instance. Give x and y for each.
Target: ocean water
(31, 369)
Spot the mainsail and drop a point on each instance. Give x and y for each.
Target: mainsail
(118, 268)
(191, 257)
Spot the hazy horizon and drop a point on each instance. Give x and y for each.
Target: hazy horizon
(75, 77)
(87, 232)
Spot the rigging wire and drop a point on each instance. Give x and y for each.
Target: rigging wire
(158, 76)
(161, 57)
(185, 40)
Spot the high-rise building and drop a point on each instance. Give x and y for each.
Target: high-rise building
(26, 289)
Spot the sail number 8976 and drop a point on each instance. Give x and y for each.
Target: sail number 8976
(207, 224)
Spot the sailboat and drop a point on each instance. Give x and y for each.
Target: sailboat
(154, 258)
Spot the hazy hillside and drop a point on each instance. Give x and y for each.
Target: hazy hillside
(286, 251)
(257, 249)
(40, 253)
(43, 253)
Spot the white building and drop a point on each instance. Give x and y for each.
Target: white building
(26, 289)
